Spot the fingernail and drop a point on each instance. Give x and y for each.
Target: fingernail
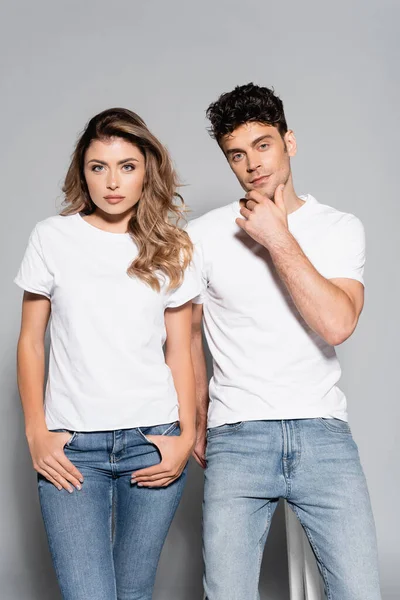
(70, 490)
(78, 487)
(140, 484)
(133, 481)
(59, 487)
(81, 479)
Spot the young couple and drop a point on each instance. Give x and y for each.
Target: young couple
(276, 279)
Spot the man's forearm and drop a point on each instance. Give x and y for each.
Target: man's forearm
(326, 308)
(200, 372)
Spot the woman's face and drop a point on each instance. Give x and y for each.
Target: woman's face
(114, 170)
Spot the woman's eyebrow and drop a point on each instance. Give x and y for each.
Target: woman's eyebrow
(120, 162)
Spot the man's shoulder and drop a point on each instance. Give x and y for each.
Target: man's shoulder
(333, 217)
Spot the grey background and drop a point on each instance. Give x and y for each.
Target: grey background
(336, 67)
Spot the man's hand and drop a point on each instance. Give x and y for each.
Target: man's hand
(265, 221)
(48, 458)
(175, 452)
(199, 451)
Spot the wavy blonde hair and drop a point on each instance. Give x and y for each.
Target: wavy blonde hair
(163, 247)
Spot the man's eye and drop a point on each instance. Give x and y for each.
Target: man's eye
(263, 146)
(237, 157)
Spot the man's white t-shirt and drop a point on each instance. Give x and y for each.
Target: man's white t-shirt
(268, 363)
(107, 369)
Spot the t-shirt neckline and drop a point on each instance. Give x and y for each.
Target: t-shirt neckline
(100, 232)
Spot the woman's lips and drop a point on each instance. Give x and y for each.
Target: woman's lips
(113, 199)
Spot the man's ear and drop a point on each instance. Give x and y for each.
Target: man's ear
(290, 142)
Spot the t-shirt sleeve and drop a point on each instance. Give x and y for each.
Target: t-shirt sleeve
(34, 275)
(344, 251)
(190, 287)
(194, 235)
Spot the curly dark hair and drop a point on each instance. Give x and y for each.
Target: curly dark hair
(243, 104)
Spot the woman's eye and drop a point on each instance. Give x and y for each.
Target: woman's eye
(97, 168)
(128, 168)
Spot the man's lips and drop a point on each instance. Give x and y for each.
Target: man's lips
(259, 180)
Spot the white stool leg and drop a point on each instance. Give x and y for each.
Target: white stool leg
(304, 578)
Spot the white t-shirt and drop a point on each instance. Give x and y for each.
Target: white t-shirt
(268, 363)
(107, 369)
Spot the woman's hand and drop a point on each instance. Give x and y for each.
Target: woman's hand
(175, 452)
(47, 452)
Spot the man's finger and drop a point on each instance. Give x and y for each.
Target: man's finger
(256, 196)
(200, 460)
(250, 204)
(245, 212)
(242, 223)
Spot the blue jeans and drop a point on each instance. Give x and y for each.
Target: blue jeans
(314, 464)
(106, 539)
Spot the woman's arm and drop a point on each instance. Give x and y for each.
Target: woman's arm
(175, 450)
(46, 447)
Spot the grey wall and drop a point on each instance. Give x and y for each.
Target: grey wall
(336, 67)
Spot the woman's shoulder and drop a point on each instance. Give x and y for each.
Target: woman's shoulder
(55, 224)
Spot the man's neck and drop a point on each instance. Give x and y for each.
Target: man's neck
(291, 199)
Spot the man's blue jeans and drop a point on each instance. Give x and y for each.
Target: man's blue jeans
(92, 559)
(314, 464)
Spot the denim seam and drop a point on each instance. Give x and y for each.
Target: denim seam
(334, 429)
(298, 442)
(171, 428)
(317, 554)
(284, 460)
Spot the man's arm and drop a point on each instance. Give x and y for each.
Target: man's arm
(200, 372)
(330, 307)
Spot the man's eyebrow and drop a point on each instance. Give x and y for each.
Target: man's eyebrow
(120, 162)
(253, 143)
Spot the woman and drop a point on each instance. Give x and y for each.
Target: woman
(112, 440)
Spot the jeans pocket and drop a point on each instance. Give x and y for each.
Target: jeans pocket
(166, 429)
(73, 434)
(335, 425)
(224, 429)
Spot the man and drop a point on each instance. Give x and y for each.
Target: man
(283, 284)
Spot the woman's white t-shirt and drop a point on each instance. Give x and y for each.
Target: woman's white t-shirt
(106, 368)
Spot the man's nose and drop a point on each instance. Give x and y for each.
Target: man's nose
(253, 163)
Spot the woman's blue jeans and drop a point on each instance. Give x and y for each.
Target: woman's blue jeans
(106, 539)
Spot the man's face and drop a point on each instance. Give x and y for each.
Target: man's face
(259, 156)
